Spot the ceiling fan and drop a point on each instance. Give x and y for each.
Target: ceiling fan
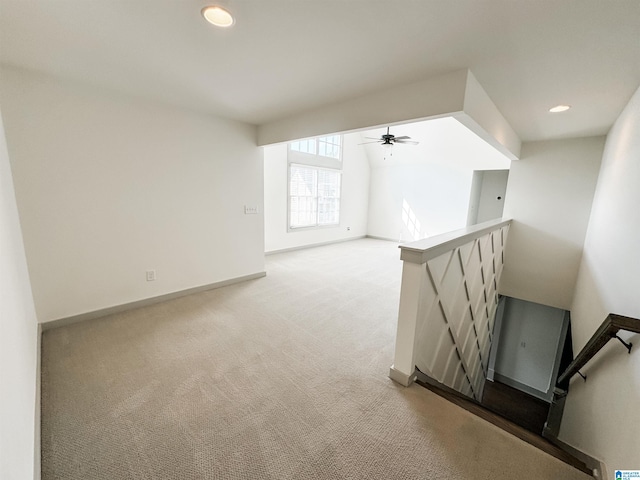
(389, 140)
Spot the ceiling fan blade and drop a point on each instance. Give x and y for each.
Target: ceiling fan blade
(373, 138)
(407, 142)
(404, 137)
(366, 143)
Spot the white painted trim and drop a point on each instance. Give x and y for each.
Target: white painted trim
(401, 377)
(410, 313)
(37, 442)
(424, 250)
(313, 245)
(495, 340)
(387, 239)
(60, 322)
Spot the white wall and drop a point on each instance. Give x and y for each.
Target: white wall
(601, 416)
(436, 96)
(549, 196)
(353, 202)
(529, 341)
(438, 196)
(484, 118)
(18, 338)
(457, 94)
(108, 187)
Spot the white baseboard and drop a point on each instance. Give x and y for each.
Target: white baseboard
(387, 239)
(401, 377)
(313, 245)
(60, 322)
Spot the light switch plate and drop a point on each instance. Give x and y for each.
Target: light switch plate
(250, 210)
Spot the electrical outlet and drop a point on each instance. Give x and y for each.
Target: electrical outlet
(151, 275)
(523, 344)
(348, 229)
(250, 210)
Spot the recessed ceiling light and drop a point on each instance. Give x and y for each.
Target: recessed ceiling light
(217, 16)
(559, 108)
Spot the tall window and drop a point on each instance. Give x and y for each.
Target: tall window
(314, 196)
(314, 181)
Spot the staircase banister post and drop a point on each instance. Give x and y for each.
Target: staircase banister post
(413, 278)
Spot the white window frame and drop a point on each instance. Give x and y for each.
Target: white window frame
(314, 157)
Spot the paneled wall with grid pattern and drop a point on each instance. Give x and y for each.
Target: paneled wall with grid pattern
(459, 300)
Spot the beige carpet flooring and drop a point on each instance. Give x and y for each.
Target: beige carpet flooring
(283, 377)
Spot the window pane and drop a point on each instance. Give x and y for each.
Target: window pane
(303, 181)
(332, 151)
(311, 146)
(328, 197)
(329, 146)
(322, 148)
(314, 196)
(303, 196)
(305, 146)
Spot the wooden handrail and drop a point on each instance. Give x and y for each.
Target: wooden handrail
(608, 330)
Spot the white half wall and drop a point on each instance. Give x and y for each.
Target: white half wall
(18, 339)
(601, 415)
(408, 202)
(110, 186)
(353, 202)
(549, 196)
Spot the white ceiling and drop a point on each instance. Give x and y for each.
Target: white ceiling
(443, 141)
(283, 56)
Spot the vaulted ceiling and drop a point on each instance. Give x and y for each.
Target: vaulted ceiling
(283, 57)
(442, 140)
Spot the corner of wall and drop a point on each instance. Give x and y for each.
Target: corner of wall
(37, 443)
(483, 117)
(18, 340)
(601, 415)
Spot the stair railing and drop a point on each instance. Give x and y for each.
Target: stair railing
(448, 303)
(607, 331)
